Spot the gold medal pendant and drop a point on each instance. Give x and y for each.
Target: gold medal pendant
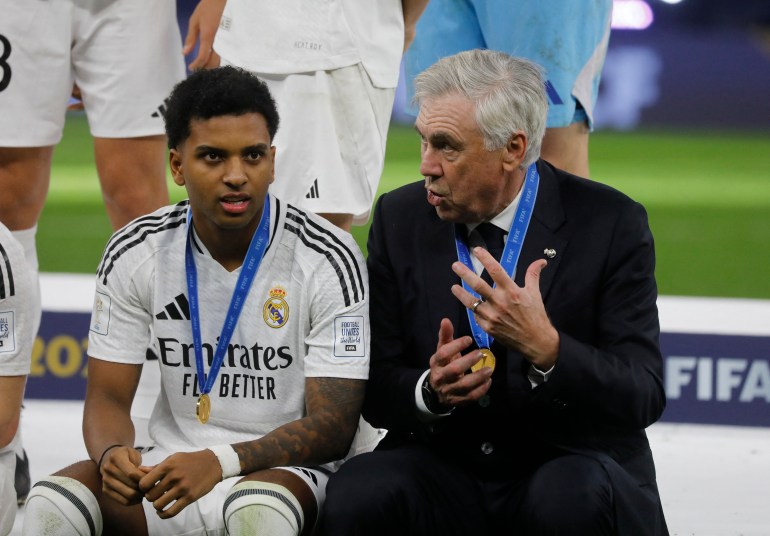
(487, 360)
(203, 408)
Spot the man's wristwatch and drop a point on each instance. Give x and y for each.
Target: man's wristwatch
(430, 398)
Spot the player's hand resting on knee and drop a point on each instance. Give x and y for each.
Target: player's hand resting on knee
(121, 474)
(181, 479)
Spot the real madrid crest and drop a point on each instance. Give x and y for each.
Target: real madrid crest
(276, 310)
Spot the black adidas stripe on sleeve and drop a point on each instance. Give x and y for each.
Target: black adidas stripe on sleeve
(136, 232)
(336, 252)
(6, 274)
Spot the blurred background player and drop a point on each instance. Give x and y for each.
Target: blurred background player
(569, 39)
(123, 57)
(19, 318)
(333, 68)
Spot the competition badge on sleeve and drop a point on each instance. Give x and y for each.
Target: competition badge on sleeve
(249, 269)
(7, 342)
(349, 336)
(100, 314)
(508, 261)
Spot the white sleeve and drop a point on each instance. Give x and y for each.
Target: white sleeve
(338, 340)
(121, 316)
(17, 310)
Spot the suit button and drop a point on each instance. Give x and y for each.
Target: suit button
(559, 403)
(487, 447)
(485, 401)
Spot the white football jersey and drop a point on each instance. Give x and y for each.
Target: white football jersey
(18, 292)
(306, 315)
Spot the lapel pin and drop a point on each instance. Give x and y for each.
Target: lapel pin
(549, 252)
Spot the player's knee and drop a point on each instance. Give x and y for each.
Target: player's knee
(59, 505)
(572, 494)
(262, 508)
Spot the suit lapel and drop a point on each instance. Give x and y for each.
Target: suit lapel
(547, 218)
(438, 251)
(437, 254)
(541, 237)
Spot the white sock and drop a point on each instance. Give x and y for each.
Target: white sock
(18, 448)
(261, 508)
(61, 506)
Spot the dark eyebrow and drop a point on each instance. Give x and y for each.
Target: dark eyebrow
(260, 148)
(207, 149)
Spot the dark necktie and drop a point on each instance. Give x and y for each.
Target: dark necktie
(493, 238)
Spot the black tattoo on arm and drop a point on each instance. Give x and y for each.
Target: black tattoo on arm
(333, 407)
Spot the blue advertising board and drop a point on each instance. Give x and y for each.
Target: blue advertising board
(59, 357)
(716, 353)
(717, 379)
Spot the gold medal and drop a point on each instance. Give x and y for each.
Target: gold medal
(487, 360)
(203, 408)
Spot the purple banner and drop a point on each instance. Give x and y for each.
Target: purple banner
(59, 358)
(709, 379)
(717, 379)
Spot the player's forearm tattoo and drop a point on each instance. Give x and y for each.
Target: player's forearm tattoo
(333, 406)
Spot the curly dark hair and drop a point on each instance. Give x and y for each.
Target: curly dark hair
(213, 93)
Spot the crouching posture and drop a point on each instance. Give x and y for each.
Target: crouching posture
(515, 353)
(258, 314)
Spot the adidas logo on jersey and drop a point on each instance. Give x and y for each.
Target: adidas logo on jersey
(313, 192)
(179, 309)
(161, 110)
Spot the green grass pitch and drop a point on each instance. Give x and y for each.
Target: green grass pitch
(707, 195)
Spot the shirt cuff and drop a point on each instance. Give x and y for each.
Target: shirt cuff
(423, 413)
(537, 377)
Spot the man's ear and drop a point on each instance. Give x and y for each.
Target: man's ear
(175, 163)
(515, 151)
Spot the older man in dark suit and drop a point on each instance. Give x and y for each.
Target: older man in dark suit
(515, 355)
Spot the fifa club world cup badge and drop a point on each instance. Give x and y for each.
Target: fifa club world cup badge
(276, 310)
(7, 344)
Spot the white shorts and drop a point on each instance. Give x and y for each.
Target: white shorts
(124, 55)
(205, 517)
(330, 145)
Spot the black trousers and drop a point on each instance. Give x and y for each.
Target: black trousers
(408, 490)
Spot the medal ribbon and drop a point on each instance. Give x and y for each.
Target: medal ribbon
(512, 250)
(249, 269)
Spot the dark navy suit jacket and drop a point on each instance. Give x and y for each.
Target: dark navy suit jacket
(600, 293)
